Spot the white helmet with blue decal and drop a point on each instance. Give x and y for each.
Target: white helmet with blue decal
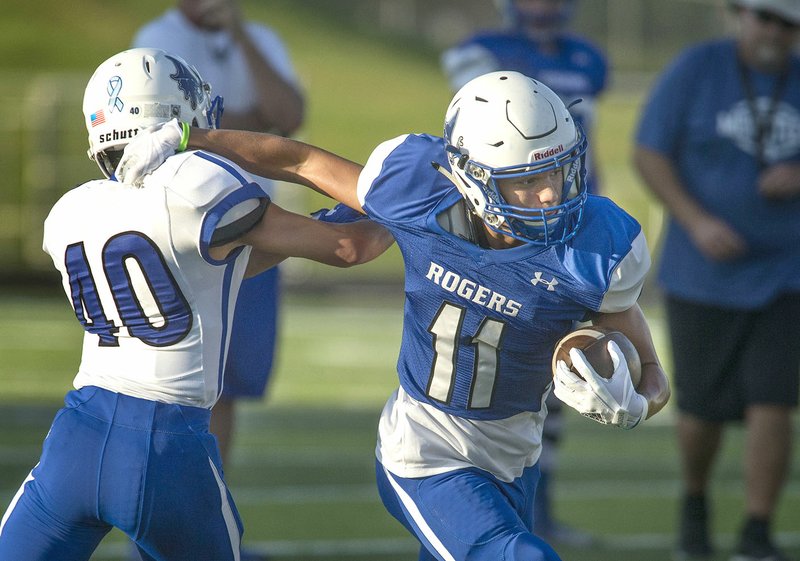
(139, 88)
(505, 125)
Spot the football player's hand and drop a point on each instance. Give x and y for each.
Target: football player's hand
(148, 150)
(611, 402)
(340, 214)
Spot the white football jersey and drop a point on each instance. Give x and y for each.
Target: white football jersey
(135, 265)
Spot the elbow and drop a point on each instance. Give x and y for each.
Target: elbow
(364, 250)
(657, 390)
(351, 255)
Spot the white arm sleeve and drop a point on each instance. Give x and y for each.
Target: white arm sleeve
(628, 278)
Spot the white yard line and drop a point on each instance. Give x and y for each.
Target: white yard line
(595, 490)
(392, 546)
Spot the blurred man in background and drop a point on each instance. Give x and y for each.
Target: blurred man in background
(719, 144)
(251, 69)
(537, 43)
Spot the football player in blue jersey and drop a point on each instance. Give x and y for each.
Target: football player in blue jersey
(153, 276)
(504, 252)
(537, 42)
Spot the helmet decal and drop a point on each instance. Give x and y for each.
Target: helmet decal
(97, 118)
(113, 89)
(188, 82)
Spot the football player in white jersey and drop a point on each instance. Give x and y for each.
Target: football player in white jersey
(153, 275)
(504, 252)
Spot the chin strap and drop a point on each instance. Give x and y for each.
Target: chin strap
(455, 180)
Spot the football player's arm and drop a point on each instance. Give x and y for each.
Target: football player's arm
(713, 237)
(263, 154)
(654, 385)
(281, 234)
(284, 159)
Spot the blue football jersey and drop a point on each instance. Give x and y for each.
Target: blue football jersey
(480, 324)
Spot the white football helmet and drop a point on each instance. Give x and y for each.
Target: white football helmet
(505, 125)
(139, 88)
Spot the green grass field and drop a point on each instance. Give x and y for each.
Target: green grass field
(302, 466)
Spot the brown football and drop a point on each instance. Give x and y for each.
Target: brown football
(593, 341)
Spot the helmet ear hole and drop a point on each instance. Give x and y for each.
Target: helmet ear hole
(108, 160)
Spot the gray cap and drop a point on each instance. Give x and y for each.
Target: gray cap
(787, 9)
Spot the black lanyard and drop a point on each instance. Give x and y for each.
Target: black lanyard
(762, 123)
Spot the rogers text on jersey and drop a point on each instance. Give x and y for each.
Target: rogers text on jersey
(455, 283)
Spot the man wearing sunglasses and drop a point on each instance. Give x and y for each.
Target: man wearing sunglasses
(719, 144)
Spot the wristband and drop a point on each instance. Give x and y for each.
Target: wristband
(645, 410)
(185, 128)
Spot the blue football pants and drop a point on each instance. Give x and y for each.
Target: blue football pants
(150, 469)
(467, 515)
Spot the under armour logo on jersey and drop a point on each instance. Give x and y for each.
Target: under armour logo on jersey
(537, 278)
(188, 82)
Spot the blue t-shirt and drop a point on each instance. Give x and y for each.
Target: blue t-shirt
(698, 115)
(480, 324)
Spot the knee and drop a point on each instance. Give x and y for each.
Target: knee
(528, 547)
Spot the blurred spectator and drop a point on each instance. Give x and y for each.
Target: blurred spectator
(250, 68)
(538, 44)
(719, 145)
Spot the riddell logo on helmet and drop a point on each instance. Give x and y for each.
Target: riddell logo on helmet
(548, 153)
(118, 135)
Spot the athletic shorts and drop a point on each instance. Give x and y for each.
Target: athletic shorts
(150, 469)
(253, 336)
(467, 514)
(727, 359)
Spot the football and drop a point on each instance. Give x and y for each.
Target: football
(593, 341)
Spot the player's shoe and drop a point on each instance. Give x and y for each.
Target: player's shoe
(755, 544)
(694, 543)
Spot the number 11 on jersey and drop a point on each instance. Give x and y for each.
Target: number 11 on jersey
(446, 330)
